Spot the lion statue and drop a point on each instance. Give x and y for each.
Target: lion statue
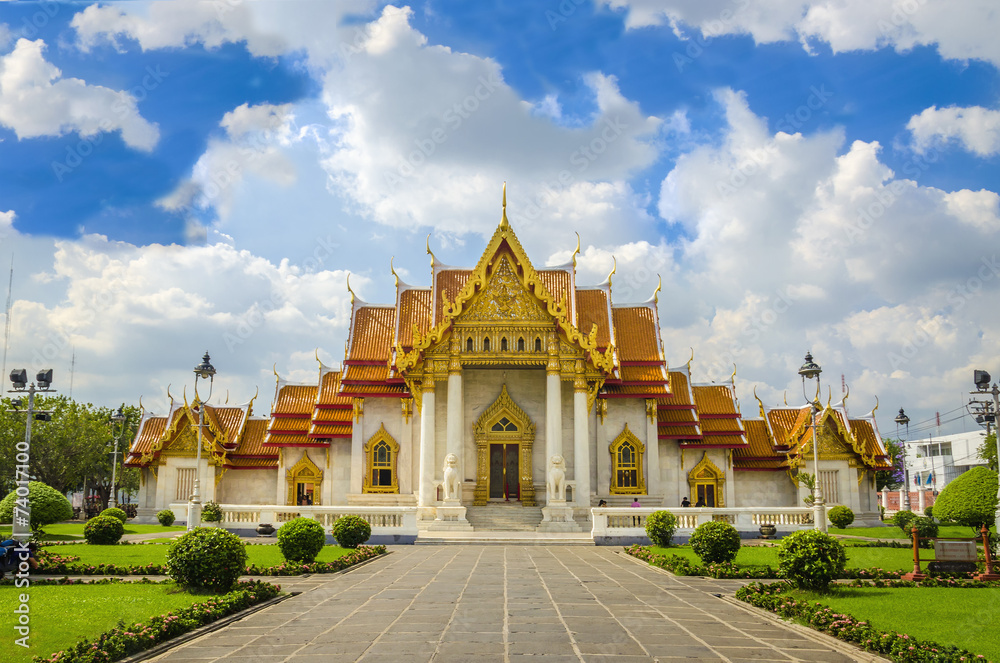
(557, 479)
(452, 483)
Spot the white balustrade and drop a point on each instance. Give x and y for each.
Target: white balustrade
(391, 520)
(631, 521)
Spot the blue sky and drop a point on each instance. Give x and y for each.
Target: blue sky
(803, 175)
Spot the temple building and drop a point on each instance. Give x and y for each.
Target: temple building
(503, 385)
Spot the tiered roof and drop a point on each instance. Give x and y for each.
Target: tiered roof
(700, 416)
(310, 415)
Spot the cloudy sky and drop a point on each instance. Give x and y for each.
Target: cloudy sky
(181, 176)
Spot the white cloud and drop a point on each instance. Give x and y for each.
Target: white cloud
(36, 101)
(7, 222)
(963, 30)
(977, 208)
(975, 127)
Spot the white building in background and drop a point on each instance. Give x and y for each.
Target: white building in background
(936, 461)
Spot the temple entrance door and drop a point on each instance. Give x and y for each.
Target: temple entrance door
(705, 495)
(504, 479)
(304, 494)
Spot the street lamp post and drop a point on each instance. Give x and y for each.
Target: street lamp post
(205, 371)
(982, 382)
(118, 418)
(812, 370)
(904, 494)
(22, 506)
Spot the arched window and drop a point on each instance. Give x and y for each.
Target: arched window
(538, 344)
(503, 344)
(381, 454)
(468, 345)
(486, 344)
(520, 344)
(505, 425)
(627, 477)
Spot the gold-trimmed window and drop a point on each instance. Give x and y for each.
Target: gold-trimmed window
(185, 483)
(381, 456)
(304, 482)
(627, 476)
(706, 481)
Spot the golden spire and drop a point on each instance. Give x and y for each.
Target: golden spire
(317, 356)
(393, 270)
(689, 364)
(732, 378)
(614, 268)
(277, 378)
(142, 410)
(504, 224)
(227, 397)
(656, 298)
(577, 250)
(430, 253)
(169, 395)
(348, 290)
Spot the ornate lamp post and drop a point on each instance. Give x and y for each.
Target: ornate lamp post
(22, 506)
(809, 371)
(205, 371)
(117, 429)
(904, 495)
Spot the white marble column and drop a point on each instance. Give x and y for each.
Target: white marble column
(553, 406)
(454, 414)
(653, 484)
(581, 442)
(426, 497)
(357, 448)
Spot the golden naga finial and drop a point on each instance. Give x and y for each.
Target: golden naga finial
(689, 363)
(317, 356)
(430, 253)
(142, 410)
(277, 378)
(227, 398)
(577, 250)
(829, 396)
(785, 396)
(614, 268)
(504, 223)
(656, 293)
(732, 378)
(874, 408)
(349, 287)
(844, 401)
(393, 270)
(184, 395)
(169, 395)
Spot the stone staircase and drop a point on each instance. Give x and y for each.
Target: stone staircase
(504, 517)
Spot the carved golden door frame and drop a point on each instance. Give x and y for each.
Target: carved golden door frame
(523, 436)
(304, 471)
(707, 473)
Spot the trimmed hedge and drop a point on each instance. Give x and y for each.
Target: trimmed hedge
(301, 539)
(841, 516)
(166, 517)
(970, 499)
(207, 557)
(103, 530)
(715, 541)
(811, 559)
(901, 519)
(115, 512)
(351, 531)
(211, 512)
(660, 527)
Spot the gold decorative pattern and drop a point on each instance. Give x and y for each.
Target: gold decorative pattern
(651, 410)
(707, 473)
(627, 471)
(304, 471)
(381, 453)
(358, 405)
(406, 406)
(504, 299)
(602, 409)
(523, 436)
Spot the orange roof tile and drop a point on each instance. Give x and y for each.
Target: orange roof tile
(387, 389)
(149, 432)
(637, 391)
(864, 433)
(252, 440)
(675, 432)
(679, 388)
(228, 418)
(558, 283)
(366, 373)
(785, 420)
(295, 399)
(329, 393)
(676, 416)
(448, 282)
(326, 430)
(723, 441)
(636, 333)
(288, 424)
(372, 333)
(592, 309)
(252, 463)
(718, 425)
(332, 415)
(642, 374)
(714, 399)
(414, 309)
(287, 440)
(758, 442)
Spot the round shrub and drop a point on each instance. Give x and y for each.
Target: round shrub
(902, 520)
(351, 531)
(301, 539)
(211, 512)
(811, 559)
(48, 506)
(103, 530)
(841, 516)
(660, 526)
(715, 541)
(929, 511)
(927, 528)
(208, 557)
(970, 499)
(166, 517)
(115, 513)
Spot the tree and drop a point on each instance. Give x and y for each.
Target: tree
(47, 506)
(891, 479)
(970, 499)
(988, 450)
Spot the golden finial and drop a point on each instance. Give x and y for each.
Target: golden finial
(577, 250)
(504, 224)
(349, 287)
(142, 410)
(786, 397)
(184, 395)
(689, 363)
(169, 395)
(317, 356)
(614, 268)
(656, 293)
(430, 253)
(227, 398)
(732, 378)
(393, 270)
(874, 408)
(277, 378)
(829, 396)
(844, 402)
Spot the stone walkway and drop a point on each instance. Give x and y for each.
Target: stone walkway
(504, 603)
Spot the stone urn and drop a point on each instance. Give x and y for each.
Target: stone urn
(767, 530)
(265, 529)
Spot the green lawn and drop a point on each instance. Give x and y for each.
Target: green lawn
(74, 531)
(892, 559)
(893, 532)
(61, 615)
(142, 554)
(968, 618)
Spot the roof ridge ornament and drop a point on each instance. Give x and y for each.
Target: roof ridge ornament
(656, 293)
(504, 223)
(348, 290)
(689, 363)
(614, 268)
(393, 270)
(576, 250)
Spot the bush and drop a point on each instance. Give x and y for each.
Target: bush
(301, 539)
(811, 559)
(926, 529)
(841, 516)
(902, 520)
(715, 541)
(103, 530)
(166, 517)
(211, 512)
(48, 506)
(660, 526)
(207, 557)
(929, 511)
(115, 513)
(351, 531)
(970, 499)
